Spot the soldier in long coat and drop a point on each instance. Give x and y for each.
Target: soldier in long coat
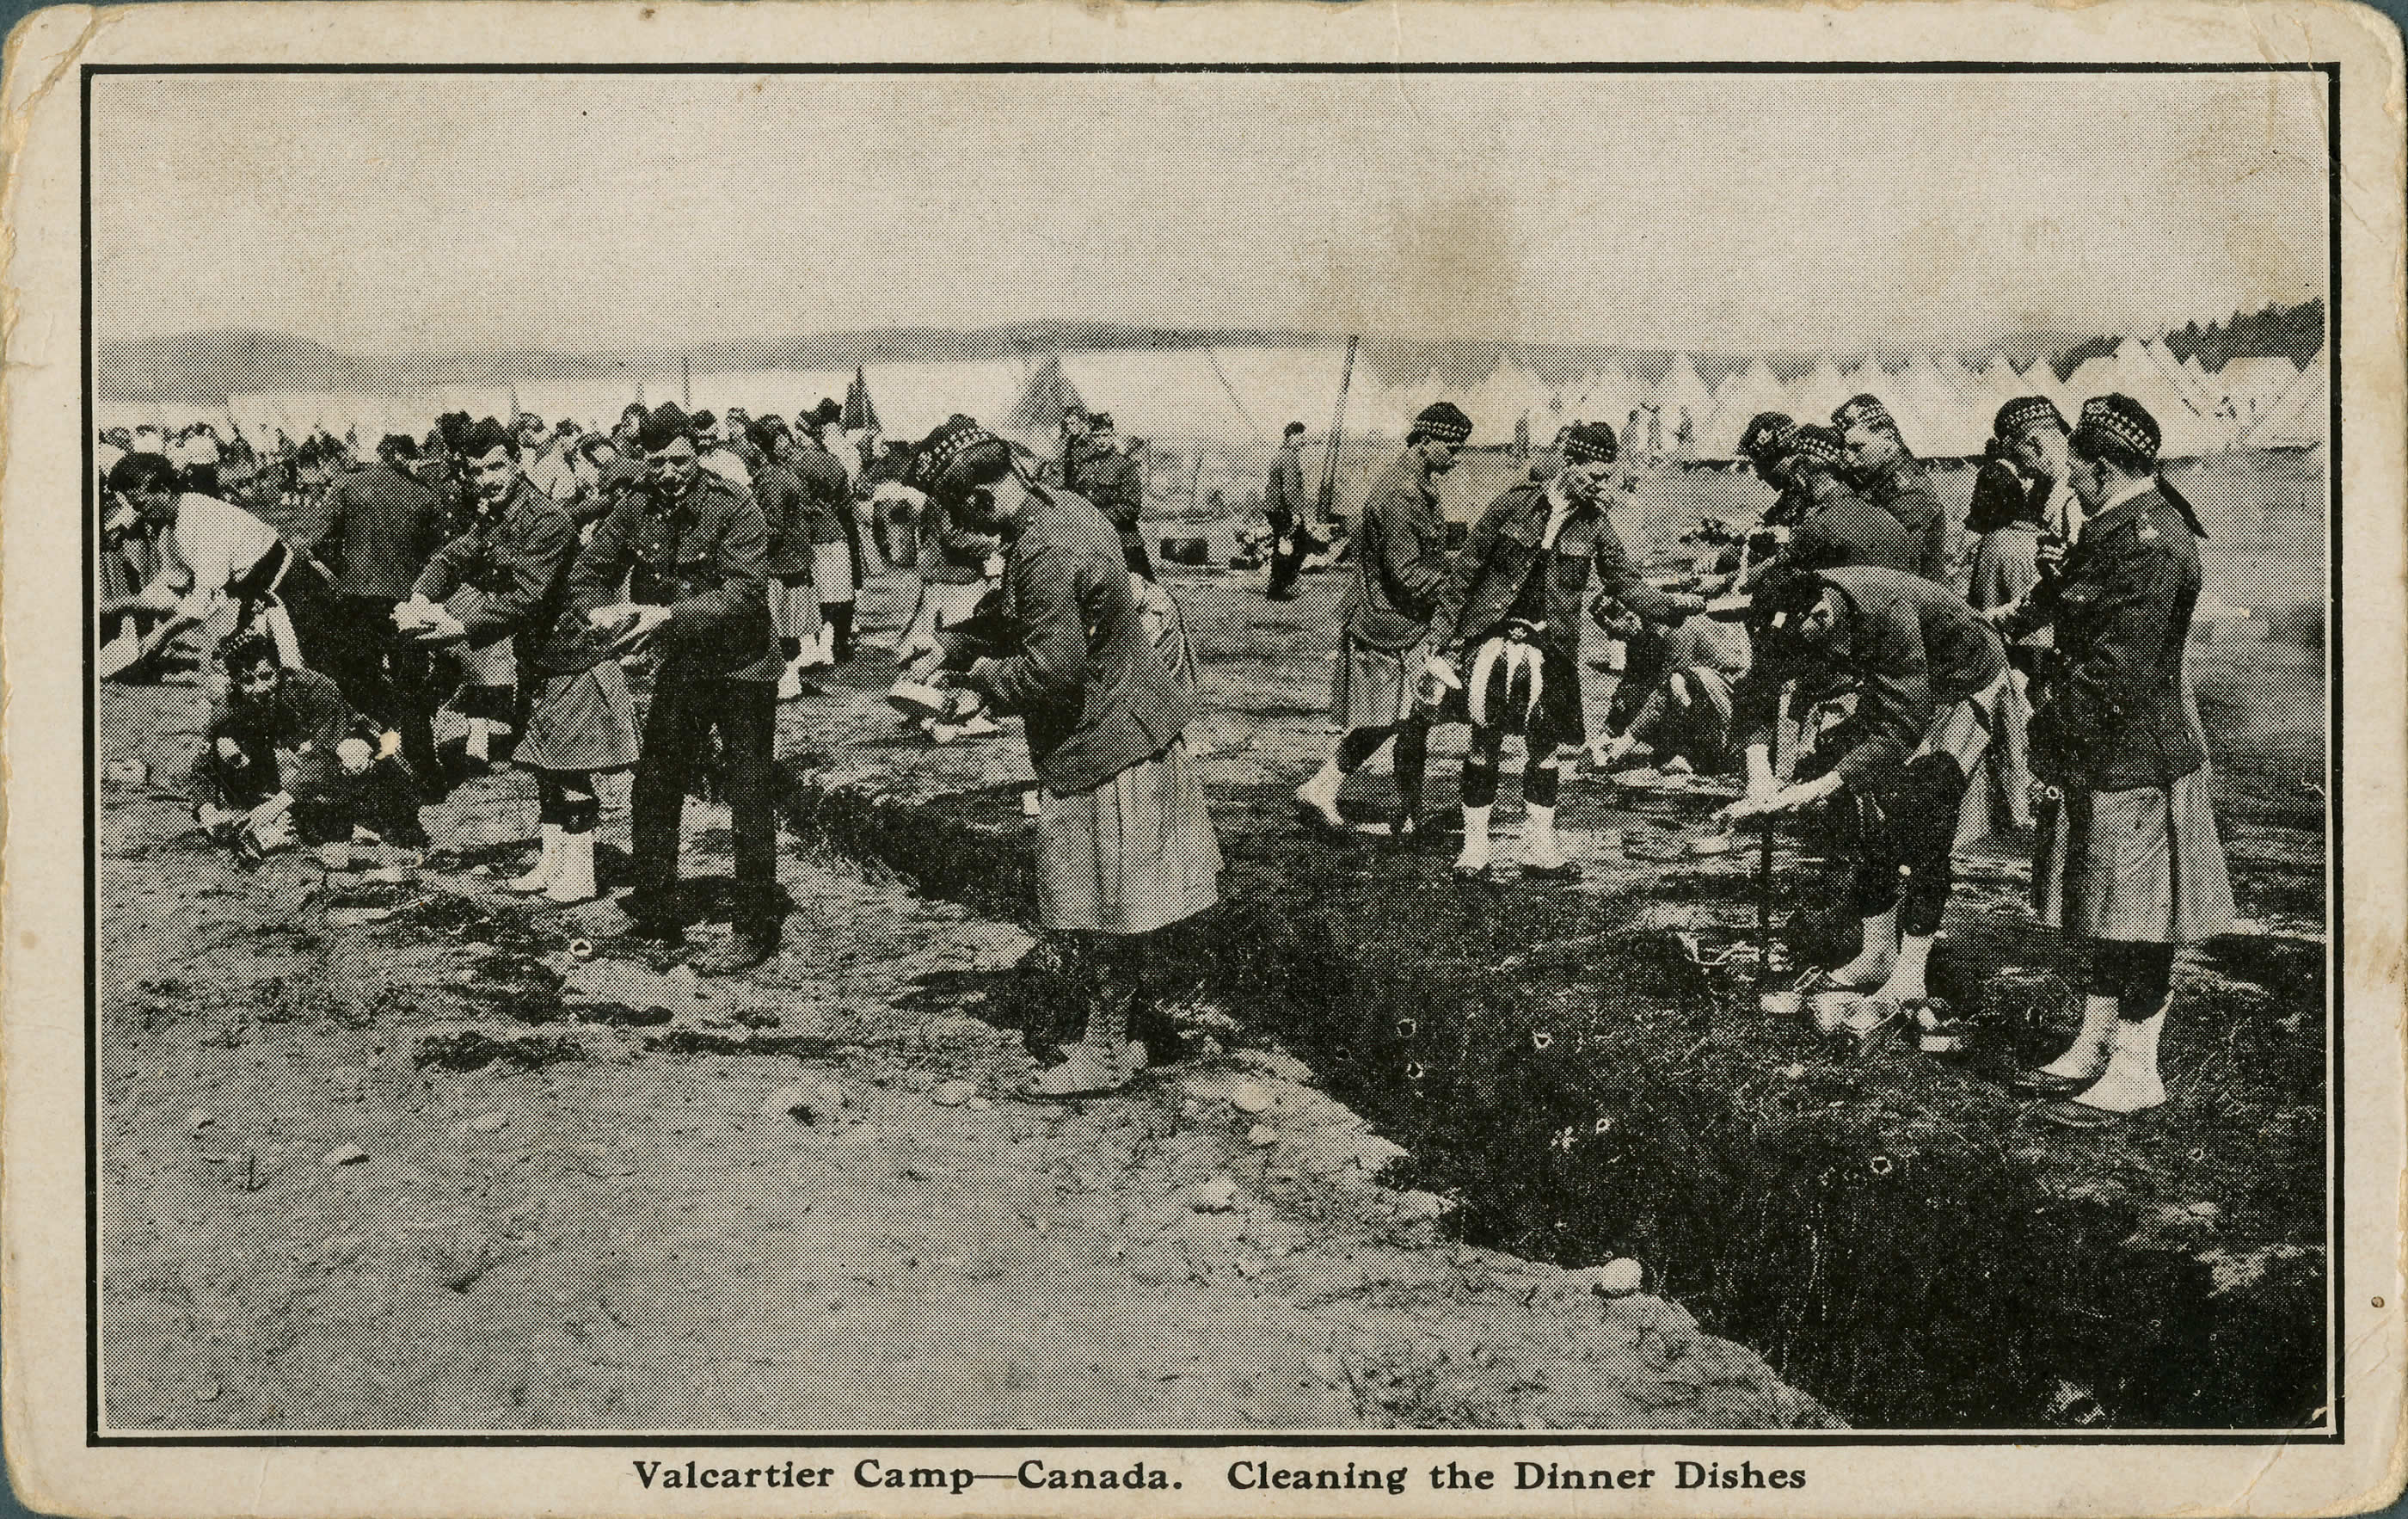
(1124, 844)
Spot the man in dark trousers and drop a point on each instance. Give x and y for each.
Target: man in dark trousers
(697, 551)
(382, 527)
(1891, 478)
(1285, 509)
(1116, 484)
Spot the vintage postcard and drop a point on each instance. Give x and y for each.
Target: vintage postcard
(1041, 758)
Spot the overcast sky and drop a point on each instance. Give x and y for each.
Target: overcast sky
(389, 214)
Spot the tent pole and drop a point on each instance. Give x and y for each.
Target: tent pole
(1337, 436)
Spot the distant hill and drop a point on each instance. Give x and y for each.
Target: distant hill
(206, 367)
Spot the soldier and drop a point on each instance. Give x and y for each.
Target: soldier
(697, 552)
(1836, 526)
(506, 580)
(1383, 648)
(827, 521)
(1930, 677)
(1893, 480)
(284, 745)
(2129, 867)
(1124, 844)
(382, 527)
(1112, 480)
(1513, 605)
(779, 494)
(1283, 509)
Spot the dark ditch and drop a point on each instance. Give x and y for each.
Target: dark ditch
(1889, 1231)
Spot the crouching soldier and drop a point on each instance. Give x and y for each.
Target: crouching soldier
(1124, 845)
(1930, 680)
(288, 759)
(1674, 702)
(1512, 608)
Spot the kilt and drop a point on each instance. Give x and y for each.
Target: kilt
(1373, 688)
(2136, 866)
(582, 722)
(793, 608)
(832, 571)
(1559, 712)
(1135, 854)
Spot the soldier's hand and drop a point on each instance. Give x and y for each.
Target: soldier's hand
(232, 752)
(2049, 554)
(1442, 671)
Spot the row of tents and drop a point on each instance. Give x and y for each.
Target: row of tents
(1243, 397)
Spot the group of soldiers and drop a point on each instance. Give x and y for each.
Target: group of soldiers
(1881, 675)
(1853, 663)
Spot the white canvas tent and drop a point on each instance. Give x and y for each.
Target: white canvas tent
(2299, 417)
(2253, 385)
(1744, 395)
(1161, 393)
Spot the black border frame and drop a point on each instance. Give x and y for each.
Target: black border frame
(2336, 1235)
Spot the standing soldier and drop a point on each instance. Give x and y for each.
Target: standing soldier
(1384, 647)
(1931, 677)
(697, 552)
(1836, 527)
(1893, 480)
(2129, 867)
(827, 521)
(779, 494)
(506, 582)
(1283, 508)
(1124, 844)
(1113, 480)
(382, 527)
(1513, 605)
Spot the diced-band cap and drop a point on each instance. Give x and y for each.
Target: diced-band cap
(1590, 443)
(1444, 420)
(2022, 412)
(1767, 437)
(1865, 410)
(1820, 447)
(2117, 419)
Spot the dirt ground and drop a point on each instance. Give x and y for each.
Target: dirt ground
(384, 1155)
(580, 1208)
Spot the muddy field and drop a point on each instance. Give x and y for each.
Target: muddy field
(580, 1208)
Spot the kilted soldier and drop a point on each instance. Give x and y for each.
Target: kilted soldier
(1124, 844)
(1284, 510)
(827, 515)
(1384, 647)
(1893, 480)
(507, 578)
(1506, 630)
(779, 494)
(1930, 677)
(2128, 866)
(2046, 520)
(694, 552)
